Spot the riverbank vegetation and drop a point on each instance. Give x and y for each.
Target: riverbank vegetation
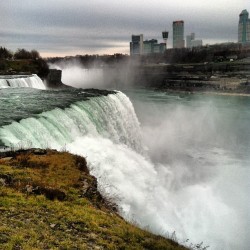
(22, 62)
(48, 200)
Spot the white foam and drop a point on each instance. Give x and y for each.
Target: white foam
(22, 82)
(154, 196)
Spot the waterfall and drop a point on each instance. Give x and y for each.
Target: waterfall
(186, 195)
(109, 116)
(22, 82)
(3, 83)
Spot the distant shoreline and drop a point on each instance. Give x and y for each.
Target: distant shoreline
(204, 92)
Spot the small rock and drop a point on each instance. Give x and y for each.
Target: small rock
(40, 152)
(28, 189)
(2, 182)
(6, 158)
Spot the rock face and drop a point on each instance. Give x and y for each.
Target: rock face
(222, 77)
(54, 79)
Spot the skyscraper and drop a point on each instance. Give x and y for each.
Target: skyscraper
(178, 34)
(192, 42)
(244, 27)
(136, 45)
(189, 38)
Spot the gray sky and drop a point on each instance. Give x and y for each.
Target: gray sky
(70, 27)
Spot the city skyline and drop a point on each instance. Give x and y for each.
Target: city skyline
(105, 27)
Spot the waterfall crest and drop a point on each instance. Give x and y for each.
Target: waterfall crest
(111, 117)
(22, 82)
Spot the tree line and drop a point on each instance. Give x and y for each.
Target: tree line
(30, 61)
(19, 54)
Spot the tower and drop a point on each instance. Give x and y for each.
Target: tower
(178, 34)
(165, 36)
(244, 27)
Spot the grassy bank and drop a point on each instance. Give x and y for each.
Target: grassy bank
(48, 200)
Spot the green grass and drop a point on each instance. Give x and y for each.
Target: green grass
(78, 222)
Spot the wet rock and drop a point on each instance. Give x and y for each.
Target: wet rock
(81, 163)
(50, 193)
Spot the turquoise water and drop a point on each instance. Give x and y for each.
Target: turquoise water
(20, 103)
(211, 120)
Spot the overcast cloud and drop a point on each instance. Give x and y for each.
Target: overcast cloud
(63, 27)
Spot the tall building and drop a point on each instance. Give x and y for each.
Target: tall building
(136, 45)
(189, 38)
(178, 34)
(153, 47)
(244, 27)
(148, 46)
(140, 47)
(159, 48)
(191, 42)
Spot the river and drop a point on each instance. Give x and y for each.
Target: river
(176, 164)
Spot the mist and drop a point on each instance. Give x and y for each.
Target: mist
(202, 169)
(107, 76)
(74, 75)
(193, 176)
(172, 197)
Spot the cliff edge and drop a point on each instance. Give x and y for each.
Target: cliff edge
(48, 200)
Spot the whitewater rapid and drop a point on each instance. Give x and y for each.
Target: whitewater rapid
(154, 196)
(32, 81)
(183, 195)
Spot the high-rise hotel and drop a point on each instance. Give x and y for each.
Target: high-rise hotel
(178, 34)
(140, 47)
(136, 45)
(244, 28)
